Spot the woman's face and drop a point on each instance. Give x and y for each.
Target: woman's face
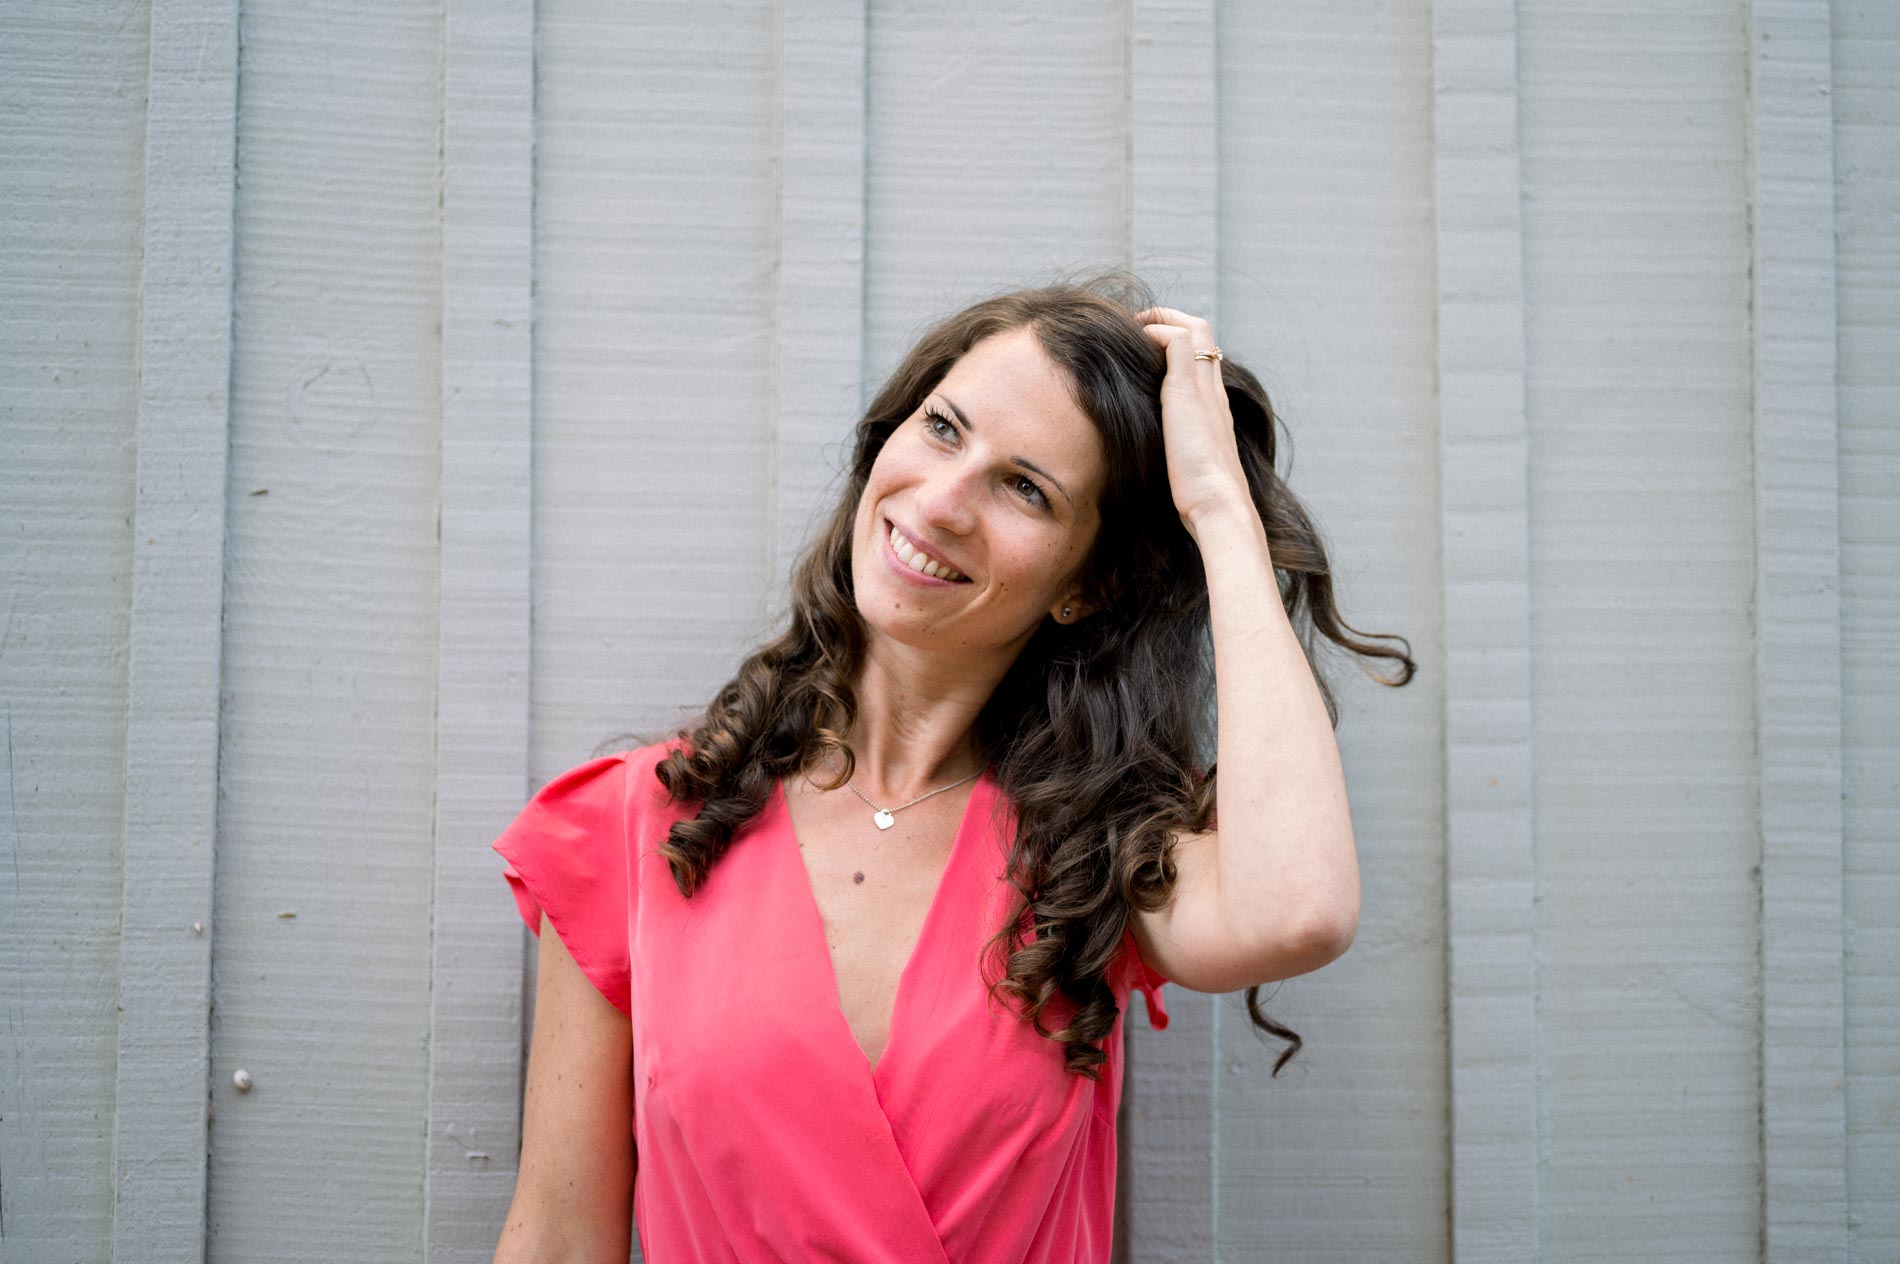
(996, 476)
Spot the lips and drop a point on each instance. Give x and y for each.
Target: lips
(919, 560)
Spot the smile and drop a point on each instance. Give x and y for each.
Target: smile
(913, 558)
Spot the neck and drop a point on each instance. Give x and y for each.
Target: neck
(916, 723)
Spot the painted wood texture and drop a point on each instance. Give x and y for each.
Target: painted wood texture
(818, 309)
(1798, 632)
(970, 107)
(1170, 1140)
(1638, 372)
(481, 733)
(171, 720)
(1490, 861)
(654, 226)
(71, 191)
(1866, 43)
(1326, 249)
(321, 930)
(546, 327)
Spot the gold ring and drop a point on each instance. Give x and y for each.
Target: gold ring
(1213, 355)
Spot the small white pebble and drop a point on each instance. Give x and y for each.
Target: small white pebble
(197, 928)
(243, 1080)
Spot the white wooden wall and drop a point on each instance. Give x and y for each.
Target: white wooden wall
(396, 400)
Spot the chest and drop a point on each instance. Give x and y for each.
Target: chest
(873, 890)
(787, 990)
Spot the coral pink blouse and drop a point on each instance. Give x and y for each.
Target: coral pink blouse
(761, 1130)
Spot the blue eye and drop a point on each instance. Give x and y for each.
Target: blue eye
(932, 420)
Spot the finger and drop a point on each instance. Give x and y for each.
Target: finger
(1174, 316)
(1182, 351)
(1184, 348)
(1176, 341)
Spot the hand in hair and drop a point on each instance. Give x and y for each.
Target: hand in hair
(1204, 470)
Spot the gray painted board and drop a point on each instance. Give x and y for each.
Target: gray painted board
(1866, 70)
(818, 319)
(177, 605)
(1638, 374)
(321, 936)
(654, 227)
(71, 189)
(1169, 1142)
(1798, 631)
(969, 108)
(1326, 289)
(481, 721)
(1490, 865)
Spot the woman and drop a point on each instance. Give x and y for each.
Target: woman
(851, 950)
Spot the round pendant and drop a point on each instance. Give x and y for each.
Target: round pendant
(883, 818)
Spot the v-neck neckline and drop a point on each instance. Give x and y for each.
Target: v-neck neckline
(894, 1024)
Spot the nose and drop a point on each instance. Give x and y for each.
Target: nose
(947, 500)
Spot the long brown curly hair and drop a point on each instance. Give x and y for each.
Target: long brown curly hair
(1101, 731)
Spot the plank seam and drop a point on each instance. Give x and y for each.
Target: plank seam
(477, 1010)
(1792, 311)
(1173, 1208)
(174, 655)
(1491, 940)
(817, 369)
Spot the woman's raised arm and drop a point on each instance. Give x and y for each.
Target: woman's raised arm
(574, 1195)
(1273, 890)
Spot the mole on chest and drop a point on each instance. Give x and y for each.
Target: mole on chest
(874, 888)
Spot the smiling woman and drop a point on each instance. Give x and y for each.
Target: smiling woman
(861, 936)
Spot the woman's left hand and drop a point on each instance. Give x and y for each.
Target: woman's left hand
(1204, 470)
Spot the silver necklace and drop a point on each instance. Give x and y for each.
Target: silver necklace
(887, 817)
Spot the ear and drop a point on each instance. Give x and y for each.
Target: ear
(1071, 608)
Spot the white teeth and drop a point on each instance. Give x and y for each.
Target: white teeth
(917, 560)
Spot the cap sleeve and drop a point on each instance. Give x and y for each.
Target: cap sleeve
(567, 857)
(1143, 979)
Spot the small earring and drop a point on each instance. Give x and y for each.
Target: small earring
(1065, 612)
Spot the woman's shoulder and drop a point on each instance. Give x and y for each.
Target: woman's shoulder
(627, 778)
(646, 756)
(639, 771)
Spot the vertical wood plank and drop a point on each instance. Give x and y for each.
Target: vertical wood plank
(1173, 148)
(1326, 290)
(1634, 147)
(72, 166)
(818, 318)
(171, 752)
(997, 145)
(1866, 96)
(1169, 1105)
(1798, 630)
(1483, 475)
(654, 227)
(321, 953)
(481, 766)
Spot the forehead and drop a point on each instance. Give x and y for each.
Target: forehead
(1019, 400)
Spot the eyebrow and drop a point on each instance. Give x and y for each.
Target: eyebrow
(1022, 461)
